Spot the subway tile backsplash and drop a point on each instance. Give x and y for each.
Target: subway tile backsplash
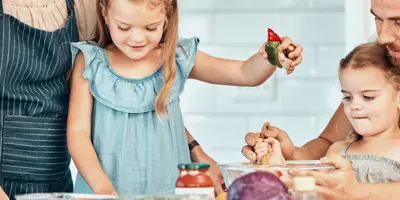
(301, 103)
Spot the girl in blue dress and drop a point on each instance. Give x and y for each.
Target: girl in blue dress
(125, 128)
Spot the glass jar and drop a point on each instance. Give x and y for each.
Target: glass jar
(194, 178)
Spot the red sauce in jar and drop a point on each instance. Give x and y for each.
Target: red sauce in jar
(194, 178)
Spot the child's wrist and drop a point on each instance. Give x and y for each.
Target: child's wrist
(105, 188)
(106, 191)
(196, 154)
(193, 144)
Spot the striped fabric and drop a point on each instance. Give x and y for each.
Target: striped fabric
(33, 106)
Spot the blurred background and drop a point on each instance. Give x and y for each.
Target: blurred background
(302, 103)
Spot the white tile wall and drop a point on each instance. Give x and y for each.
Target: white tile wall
(301, 104)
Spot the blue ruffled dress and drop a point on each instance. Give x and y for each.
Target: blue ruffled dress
(137, 151)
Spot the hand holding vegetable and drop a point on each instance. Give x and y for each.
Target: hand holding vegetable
(282, 52)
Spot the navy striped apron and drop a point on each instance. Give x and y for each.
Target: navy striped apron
(33, 106)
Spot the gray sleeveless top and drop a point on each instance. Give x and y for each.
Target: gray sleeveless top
(371, 168)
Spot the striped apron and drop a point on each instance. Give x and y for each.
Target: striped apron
(33, 106)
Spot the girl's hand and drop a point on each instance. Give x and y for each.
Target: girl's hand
(286, 44)
(339, 184)
(261, 148)
(114, 194)
(106, 189)
(271, 146)
(285, 143)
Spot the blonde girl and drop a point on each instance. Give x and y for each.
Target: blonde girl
(125, 128)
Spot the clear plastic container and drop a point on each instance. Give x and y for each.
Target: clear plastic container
(232, 171)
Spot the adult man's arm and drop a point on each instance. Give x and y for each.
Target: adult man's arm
(337, 129)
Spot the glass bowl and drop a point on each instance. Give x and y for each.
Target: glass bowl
(232, 171)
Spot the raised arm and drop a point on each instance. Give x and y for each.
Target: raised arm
(252, 72)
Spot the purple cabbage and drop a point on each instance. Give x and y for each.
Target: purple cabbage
(258, 186)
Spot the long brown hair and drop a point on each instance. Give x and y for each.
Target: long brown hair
(168, 42)
(371, 55)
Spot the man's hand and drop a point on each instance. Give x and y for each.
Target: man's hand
(198, 155)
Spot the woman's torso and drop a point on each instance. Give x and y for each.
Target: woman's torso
(50, 15)
(34, 95)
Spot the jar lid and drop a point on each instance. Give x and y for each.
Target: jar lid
(194, 165)
(304, 183)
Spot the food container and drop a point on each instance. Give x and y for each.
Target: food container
(71, 196)
(232, 171)
(194, 178)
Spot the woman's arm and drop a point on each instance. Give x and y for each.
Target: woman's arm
(86, 18)
(78, 132)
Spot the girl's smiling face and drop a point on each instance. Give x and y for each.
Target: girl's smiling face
(136, 28)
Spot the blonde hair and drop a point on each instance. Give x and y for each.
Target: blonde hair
(168, 41)
(371, 55)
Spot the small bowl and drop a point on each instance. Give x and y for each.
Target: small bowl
(232, 171)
